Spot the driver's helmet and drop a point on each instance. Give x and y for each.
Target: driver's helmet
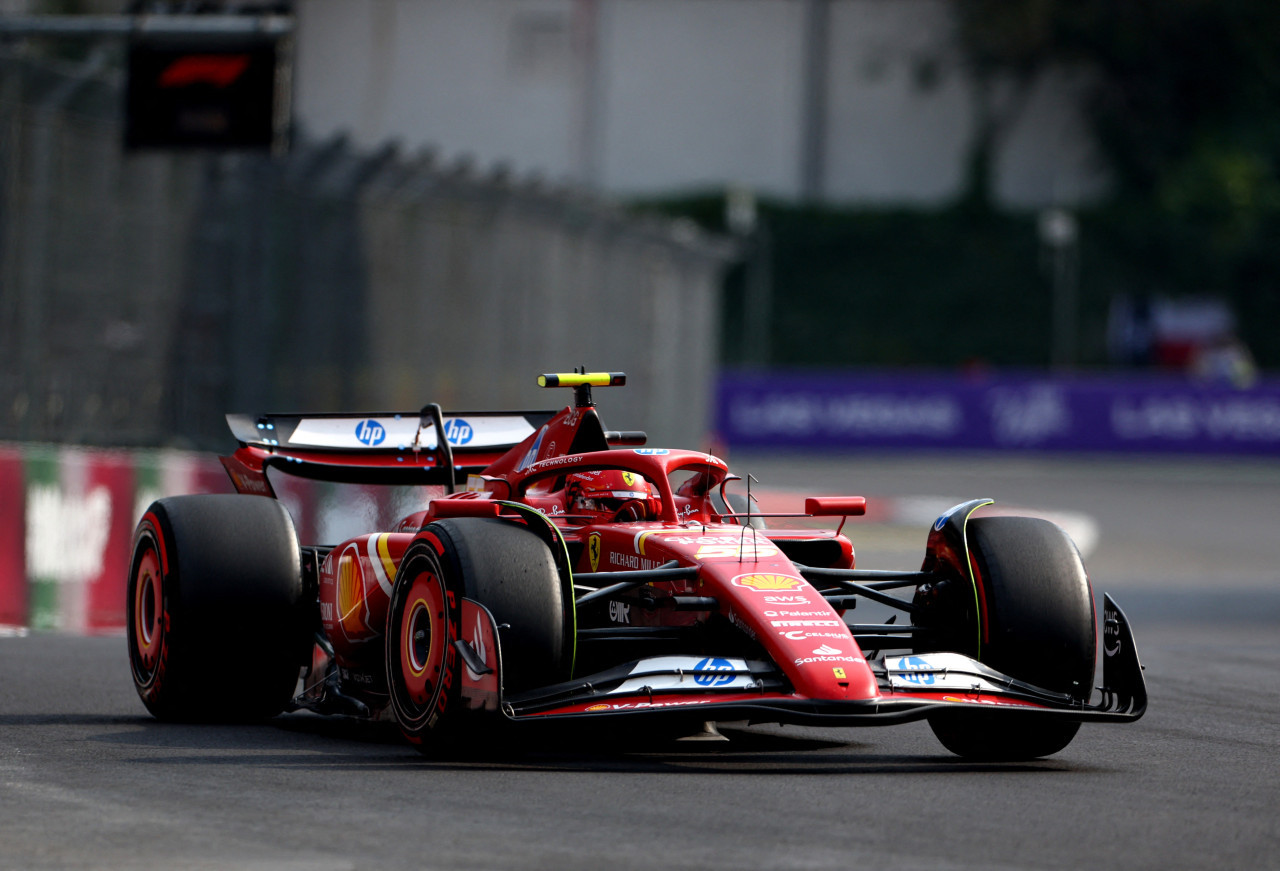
(604, 494)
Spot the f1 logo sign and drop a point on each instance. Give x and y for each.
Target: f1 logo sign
(370, 433)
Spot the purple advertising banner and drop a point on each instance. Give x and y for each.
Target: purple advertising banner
(991, 411)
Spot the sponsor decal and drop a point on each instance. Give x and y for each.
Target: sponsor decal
(839, 673)
(593, 550)
(826, 650)
(802, 623)
(532, 454)
(941, 522)
(630, 478)
(789, 613)
(767, 582)
(736, 546)
(801, 635)
(923, 670)
(457, 431)
(55, 518)
(808, 660)
(370, 433)
(635, 706)
(979, 700)
(1029, 416)
(736, 619)
(631, 561)
(651, 452)
(1111, 644)
(787, 600)
(619, 612)
(723, 667)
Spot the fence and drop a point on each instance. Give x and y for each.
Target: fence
(144, 295)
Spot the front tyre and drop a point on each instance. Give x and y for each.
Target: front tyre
(504, 567)
(216, 622)
(1034, 622)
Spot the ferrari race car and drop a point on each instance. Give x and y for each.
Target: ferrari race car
(580, 575)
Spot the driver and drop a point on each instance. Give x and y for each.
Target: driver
(611, 495)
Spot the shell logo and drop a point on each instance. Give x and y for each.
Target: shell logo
(767, 583)
(594, 708)
(350, 593)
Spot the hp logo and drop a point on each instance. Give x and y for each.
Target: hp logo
(714, 665)
(458, 431)
(370, 433)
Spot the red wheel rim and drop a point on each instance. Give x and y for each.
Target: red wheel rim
(422, 638)
(148, 610)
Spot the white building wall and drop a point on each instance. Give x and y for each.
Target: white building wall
(493, 79)
(647, 97)
(899, 118)
(700, 93)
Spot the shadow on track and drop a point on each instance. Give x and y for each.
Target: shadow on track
(322, 743)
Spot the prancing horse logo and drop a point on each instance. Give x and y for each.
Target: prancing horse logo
(593, 550)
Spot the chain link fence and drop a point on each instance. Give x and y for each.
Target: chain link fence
(143, 295)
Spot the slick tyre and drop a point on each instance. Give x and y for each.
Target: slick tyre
(1035, 622)
(216, 624)
(504, 567)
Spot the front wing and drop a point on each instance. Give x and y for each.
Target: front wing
(910, 688)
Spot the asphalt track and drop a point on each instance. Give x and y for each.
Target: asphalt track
(87, 780)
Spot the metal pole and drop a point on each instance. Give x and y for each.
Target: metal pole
(1059, 234)
(813, 123)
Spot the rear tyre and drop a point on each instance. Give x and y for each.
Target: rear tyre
(1035, 622)
(216, 623)
(504, 567)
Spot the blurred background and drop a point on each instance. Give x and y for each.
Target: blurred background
(951, 225)
(443, 197)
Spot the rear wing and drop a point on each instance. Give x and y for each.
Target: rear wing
(410, 448)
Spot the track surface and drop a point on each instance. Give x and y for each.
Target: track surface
(87, 780)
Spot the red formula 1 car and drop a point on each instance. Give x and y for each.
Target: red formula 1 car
(581, 575)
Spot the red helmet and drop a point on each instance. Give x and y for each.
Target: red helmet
(611, 494)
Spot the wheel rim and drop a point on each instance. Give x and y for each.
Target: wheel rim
(148, 611)
(421, 632)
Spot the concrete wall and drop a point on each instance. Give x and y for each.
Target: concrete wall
(856, 101)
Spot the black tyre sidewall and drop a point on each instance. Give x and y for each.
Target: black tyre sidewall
(233, 617)
(1037, 607)
(1040, 612)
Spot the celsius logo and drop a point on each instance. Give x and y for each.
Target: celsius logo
(722, 672)
(458, 431)
(370, 432)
